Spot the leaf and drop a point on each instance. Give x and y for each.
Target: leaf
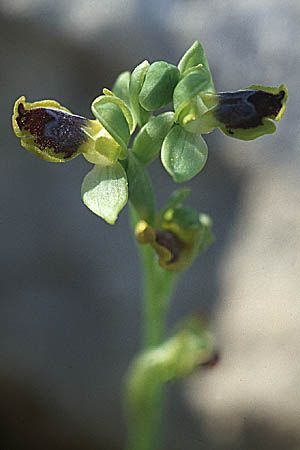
(160, 81)
(140, 189)
(183, 154)
(148, 142)
(105, 191)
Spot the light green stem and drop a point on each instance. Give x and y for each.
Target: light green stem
(144, 430)
(158, 285)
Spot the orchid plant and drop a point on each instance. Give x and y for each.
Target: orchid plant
(130, 130)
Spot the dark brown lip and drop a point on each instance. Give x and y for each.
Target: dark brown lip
(247, 109)
(53, 129)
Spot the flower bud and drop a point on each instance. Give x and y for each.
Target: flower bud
(179, 236)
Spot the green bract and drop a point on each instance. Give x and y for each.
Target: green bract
(160, 81)
(183, 154)
(105, 191)
(140, 189)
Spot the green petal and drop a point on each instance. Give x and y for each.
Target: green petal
(148, 142)
(109, 113)
(183, 154)
(110, 97)
(186, 90)
(160, 81)
(105, 191)
(106, 150)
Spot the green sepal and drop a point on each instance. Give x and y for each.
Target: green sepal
(122, 105)
(183, 154)
(140, 189)
(148, 141)
(136, 82)
(121, 87)
(104, 191)
(186, 91)
(111, 116)
(192, 58)
(160, 81)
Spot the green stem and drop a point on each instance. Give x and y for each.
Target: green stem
(158, 286)
(144, 426)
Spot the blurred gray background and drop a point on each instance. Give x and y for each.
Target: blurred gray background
(69, 294)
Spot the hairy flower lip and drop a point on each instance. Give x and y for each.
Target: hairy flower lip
(55, 134)
(247, 108)
(51, 129)
(245, 114)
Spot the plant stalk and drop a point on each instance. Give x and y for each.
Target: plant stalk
(145, 401)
